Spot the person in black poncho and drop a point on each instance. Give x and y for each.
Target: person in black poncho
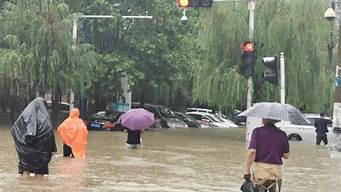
(34, 139)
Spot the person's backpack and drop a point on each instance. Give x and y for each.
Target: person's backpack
(248, 186)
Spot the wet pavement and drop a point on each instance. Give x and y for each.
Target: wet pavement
(182, 160)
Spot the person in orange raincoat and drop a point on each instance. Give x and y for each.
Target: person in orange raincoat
(74, 135)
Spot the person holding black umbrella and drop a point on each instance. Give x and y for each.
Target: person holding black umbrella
(269, 145)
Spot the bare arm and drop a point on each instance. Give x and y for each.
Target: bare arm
(249, 159)
(285, 155)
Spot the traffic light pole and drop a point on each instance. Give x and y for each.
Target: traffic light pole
(251, 7)
(282, 76)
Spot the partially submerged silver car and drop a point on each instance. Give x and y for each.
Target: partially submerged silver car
(303, 132)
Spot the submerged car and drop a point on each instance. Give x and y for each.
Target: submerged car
(104, 121)
(164, 117)
(199, 110)
(223, 118)
(239, 120)
(189, 120)
(218, 117)
(205, 118)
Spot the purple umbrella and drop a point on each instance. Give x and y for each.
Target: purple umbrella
(136, 119)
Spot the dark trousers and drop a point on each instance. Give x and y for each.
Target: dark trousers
(321, 137)
(67, 151)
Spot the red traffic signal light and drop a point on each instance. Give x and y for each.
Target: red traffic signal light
(248, 58)
(194, 3)
(183, 3)
(248, 46)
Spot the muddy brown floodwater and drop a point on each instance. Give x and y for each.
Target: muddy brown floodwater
(181, 160)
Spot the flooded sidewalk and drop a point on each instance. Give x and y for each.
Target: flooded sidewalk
(182, 160)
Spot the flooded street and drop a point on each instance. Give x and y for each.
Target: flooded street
(182, 160)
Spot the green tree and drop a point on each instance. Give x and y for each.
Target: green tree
(154, 52)
(295, 27)
(37, 53)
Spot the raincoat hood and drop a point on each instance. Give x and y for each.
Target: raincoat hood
(74, 133)
(74, 113)
(33, 123)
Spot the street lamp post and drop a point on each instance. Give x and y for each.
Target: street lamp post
(330, 15)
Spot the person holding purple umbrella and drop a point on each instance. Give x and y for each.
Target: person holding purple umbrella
(135, 121)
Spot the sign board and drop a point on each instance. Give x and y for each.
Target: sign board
(121, 107)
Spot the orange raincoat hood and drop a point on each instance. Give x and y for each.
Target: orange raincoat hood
(74, 133)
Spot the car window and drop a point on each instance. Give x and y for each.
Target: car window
(100, 114)
(218, 117)
(211, 118)
(189, 118)
(166, 112)
(180, 116)
(312, 121)
(195, 116)
(64, 107)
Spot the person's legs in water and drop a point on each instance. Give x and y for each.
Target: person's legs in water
(318, 139)
(325, 139)
(270, 186)
(67, 151)
(22, 170)
(25, 174)
(38, 176)
(43, 170)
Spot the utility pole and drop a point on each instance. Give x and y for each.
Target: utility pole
(282, 76)
(251, 8)
(74, 38)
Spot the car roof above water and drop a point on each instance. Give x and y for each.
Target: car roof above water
(199, 110)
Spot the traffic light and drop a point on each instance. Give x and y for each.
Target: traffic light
(272, 73)
(183, 3)
(194, 3)
(248, 58)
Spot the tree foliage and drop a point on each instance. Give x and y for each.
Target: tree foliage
(166, 62)
(37, 53)
(295, 27)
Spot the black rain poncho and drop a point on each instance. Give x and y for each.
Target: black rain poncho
(34, 138)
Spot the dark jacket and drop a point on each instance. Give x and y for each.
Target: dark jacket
(321, 125)
(134, 137)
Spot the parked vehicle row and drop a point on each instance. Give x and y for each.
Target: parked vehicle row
(164, 118)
